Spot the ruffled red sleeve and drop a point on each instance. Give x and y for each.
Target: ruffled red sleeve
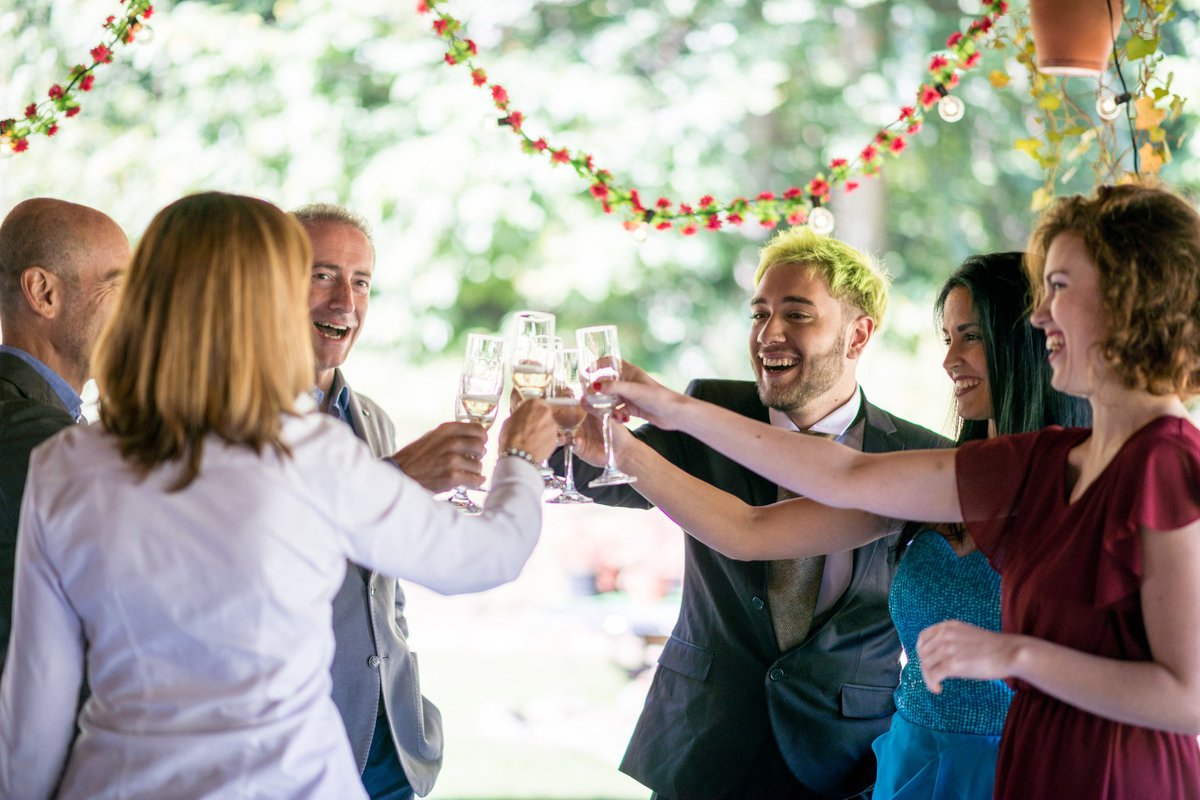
(1157, 488)
(991, 476)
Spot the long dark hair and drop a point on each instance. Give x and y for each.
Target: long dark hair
(1018, 373)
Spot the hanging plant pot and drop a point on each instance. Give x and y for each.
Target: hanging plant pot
(1074, 37)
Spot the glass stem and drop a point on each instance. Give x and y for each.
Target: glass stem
(569, 488)
(610, 456)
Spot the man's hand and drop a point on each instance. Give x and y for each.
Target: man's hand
(530, 428)
(446, 457)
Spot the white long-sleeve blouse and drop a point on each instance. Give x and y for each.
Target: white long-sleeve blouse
(200, 619)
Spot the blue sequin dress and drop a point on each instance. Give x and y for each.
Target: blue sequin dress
(941, 747)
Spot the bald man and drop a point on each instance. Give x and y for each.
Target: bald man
(60, 264)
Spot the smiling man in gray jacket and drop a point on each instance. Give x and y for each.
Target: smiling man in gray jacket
(395, 733)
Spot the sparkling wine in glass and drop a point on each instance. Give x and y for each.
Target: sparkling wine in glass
(532, 354)
(478, 399)
(600, 360)
(565, 396)
(532, 360)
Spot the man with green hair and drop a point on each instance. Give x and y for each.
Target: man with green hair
(779, 675)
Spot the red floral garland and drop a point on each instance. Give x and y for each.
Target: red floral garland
(43, 117)
(769, 208)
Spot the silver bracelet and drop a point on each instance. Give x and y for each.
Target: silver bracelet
(517, 452)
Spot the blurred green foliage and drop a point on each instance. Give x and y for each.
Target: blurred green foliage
(301, 100)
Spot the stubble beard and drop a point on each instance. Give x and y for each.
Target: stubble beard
(820, 374)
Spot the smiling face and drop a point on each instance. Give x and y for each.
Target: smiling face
(803, 343)
(1072, 316)
(343, 263)
(966, 359)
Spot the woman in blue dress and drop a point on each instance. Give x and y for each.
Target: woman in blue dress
(940, 745)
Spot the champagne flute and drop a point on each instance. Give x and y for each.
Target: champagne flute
(532, 352)
(533, 348)
(478, 399)
(600, 360)
(565, 396)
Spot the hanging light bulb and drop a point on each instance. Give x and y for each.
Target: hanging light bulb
(6, 148)
(820, 220)
(1108, 105)
(640, 234)
(145, 34)
(950, 108)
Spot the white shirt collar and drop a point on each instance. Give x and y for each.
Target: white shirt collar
(835, 423)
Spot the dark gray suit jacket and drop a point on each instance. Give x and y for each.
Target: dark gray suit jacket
(30, 413)
(372, 657)
(722, 686)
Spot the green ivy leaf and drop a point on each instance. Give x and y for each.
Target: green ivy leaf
(1137, 47)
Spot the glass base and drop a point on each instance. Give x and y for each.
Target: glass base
(464, 504)
(611, 478)
(569, 497)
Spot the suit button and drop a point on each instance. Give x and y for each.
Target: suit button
(373, 662)
(776, 674)
(757, 602)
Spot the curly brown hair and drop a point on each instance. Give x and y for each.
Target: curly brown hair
(1145, 243)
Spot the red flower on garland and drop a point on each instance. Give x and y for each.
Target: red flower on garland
(515, 119)
(478, 77)
(797, 218)
(938, 62)
(767, 223)
(837, 163)
(851, 186)
(713, 223)
(898, 144)
(907, 112)
(451, 60)
(689, 229)
(471, 46)
(108, 23)
(499, 96)
(73, 111)
(422, 7)
(662, 226)
(439, 26)
(707, 201)
(914, 127)
(560, 156)
(766, 196)
(684, 208)
(56, 92)
(31, 111)
(662, 203)
(971, 61)
(734, 218)
(53, 129)
(101, 54)
(599, 191)
(20, 145)
(87, 81)
(794, 192)
(869, 153)
(635, 201)
(818, 187)
(148, 12)
(540, 144)
(954, 39)
(928, 96)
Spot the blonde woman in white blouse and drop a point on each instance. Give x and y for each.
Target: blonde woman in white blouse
(179, 557)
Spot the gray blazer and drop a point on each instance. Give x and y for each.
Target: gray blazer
(372, 657)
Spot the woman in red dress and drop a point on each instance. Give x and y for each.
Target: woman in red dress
(1096, 532)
